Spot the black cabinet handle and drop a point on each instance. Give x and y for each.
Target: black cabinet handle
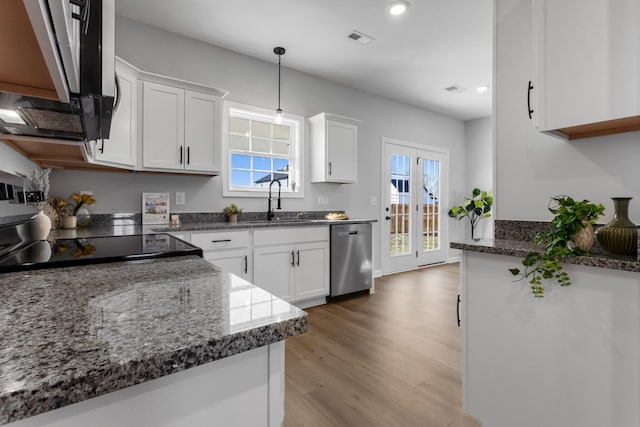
(293, 259)
(101, 149)
(298, 258)
(188, 155)
(329, 168)
(180, 155)
(458, 310)
(221, 240)
(530, 88)
(246, 264)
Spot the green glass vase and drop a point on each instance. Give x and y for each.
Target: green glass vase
(620, 235)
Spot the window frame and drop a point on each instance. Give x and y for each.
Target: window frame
(297, 146)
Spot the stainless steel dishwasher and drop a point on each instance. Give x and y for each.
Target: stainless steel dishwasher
(351, 263)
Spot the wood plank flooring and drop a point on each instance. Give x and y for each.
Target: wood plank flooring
(389, 359)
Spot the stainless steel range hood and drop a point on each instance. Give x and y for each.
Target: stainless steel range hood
(52, 93)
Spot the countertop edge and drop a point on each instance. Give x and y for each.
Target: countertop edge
(521, 248)
(28, 402)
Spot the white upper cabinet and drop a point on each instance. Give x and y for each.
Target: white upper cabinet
(180, 129)
(586, 67)
(334, 148)
(162, 126)
(202, 124)
(121, 147)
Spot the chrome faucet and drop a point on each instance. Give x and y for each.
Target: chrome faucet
(270, 213)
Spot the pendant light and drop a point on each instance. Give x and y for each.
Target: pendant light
(279, 51)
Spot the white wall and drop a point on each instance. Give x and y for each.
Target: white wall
(254, 82)
(532, 167)
(480, 168)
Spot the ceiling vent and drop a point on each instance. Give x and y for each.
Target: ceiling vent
(455, 89)
(360, 37)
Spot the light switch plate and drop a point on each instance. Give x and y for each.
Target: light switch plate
(374, 201)
(180, 198)
(323, 200)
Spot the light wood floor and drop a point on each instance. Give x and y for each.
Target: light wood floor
(389, 359)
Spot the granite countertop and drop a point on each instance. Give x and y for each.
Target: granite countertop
(71, 334)
(200, 226)
(121, 230)
(521, 248)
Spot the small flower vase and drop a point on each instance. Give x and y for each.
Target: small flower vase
(83, 217)
(620, 235)
(69, 221)
(40, 226)
(233, 218)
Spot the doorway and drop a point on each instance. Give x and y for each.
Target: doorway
(414, 193)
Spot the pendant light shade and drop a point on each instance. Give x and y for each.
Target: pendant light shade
(279, 51)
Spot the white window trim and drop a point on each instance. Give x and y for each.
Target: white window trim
(260, 112)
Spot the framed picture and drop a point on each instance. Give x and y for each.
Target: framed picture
(155, 208)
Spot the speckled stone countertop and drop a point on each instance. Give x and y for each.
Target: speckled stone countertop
(520, 248)
(121, 230)
(71, 334)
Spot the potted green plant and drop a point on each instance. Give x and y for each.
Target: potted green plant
(571, 234)
(474, 208)
(231, 212)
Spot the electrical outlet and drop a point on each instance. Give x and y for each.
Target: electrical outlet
(180, 198)
(374, 201)
(89, 192)
(323, 200)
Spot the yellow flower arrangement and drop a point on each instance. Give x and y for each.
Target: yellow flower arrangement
(79, 199)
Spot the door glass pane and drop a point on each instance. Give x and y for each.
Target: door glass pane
(430, 205)
(400, 199)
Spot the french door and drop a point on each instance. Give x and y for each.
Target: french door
(414, 228)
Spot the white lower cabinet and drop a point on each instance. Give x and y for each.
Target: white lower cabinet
(229, 250)
(293, 264)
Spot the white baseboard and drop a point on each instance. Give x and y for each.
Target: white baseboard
(377, 273)
(453, 259)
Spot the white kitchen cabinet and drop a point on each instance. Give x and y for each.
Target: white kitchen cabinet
(293, 264)
(334, 148)
(586, 67)
(162, 126)
(121, 147)
(180, 129)
(229, 250)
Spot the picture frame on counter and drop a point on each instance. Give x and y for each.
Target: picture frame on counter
(155, 208)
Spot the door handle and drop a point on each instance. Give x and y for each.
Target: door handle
(458, 310)
(246, 264)
(387, 218)
(180, 155)
(329, 168)
(298, 258)
(293, 259)
(530, 88)
(188, 155)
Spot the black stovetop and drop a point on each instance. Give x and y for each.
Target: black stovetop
(94, 250)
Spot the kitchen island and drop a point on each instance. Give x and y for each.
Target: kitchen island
(165, 342)
(571, 358)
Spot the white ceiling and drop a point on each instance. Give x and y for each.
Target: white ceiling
(436, 44)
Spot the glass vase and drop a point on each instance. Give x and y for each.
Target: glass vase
(620, 235)
(84, 216)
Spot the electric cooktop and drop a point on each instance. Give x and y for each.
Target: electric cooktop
(94, 250)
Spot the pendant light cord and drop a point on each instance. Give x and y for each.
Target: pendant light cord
(279, 58)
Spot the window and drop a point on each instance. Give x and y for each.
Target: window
(257, 151)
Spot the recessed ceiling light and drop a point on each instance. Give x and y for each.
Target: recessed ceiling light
(398, 7)
(482, 88)
(11, 116)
